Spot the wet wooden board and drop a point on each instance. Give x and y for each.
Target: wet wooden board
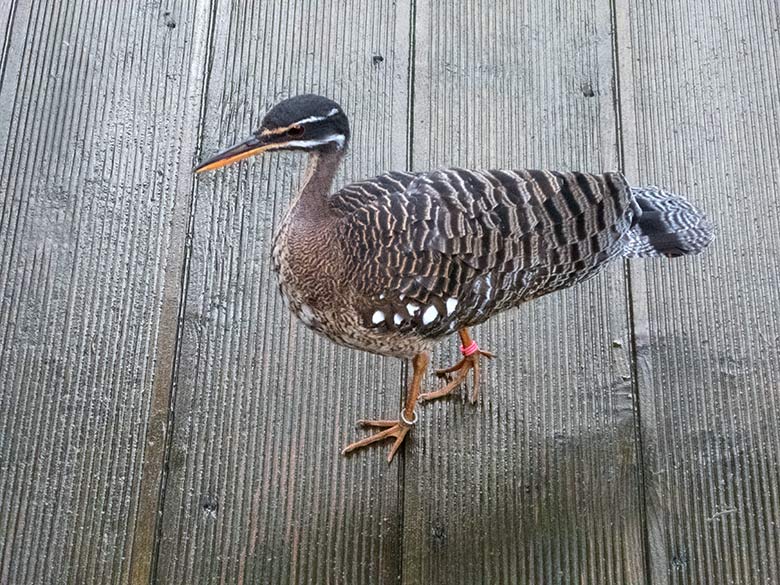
(257, 490)
(97, 122)
(699, 96)
(539, 482)
(7, 13)
(163, 419)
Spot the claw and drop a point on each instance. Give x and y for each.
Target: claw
(461, 370)
(396, 428)
(392, 428)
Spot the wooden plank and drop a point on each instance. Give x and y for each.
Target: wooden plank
(700, 95)
(258, 491)
(539, 483)
(98, 122)
(8, 11)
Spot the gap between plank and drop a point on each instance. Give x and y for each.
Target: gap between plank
(405, 368)
(619, 21)
(158, 440)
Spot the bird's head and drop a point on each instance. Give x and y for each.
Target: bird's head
(305, 122)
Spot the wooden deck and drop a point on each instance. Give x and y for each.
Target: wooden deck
(162, 419)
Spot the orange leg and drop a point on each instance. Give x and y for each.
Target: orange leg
(396, 428)
(470, 361)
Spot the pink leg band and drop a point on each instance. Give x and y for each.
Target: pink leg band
(471, 349)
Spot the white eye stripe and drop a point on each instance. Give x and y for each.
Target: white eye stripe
(333, 112)
(337, 138)
(310, 119)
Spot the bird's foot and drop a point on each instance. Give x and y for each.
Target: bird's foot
(396, 429)
(470, 361)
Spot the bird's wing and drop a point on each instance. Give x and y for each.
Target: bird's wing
(452, 247)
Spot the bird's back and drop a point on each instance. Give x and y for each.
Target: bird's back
(428, 253)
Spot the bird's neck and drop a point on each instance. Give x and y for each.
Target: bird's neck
(311, 204)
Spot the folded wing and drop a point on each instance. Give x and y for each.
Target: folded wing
(434, 252)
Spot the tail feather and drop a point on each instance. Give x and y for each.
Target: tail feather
(666, 225)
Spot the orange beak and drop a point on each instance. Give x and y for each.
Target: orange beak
(235, 153)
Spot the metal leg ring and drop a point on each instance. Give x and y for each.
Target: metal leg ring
(408, 422)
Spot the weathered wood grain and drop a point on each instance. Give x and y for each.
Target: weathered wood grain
(8, 9)
(133, 298)
(98, 115)
(539, 483)
(258, 491)
(700, 115)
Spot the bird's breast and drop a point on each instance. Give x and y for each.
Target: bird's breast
(310, 272)
(309, 269)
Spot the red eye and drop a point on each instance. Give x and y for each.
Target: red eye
(295, 131)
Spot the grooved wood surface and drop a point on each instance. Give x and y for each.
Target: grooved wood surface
(540, 479)
(701, 117)
(97, 125)
(164, 420)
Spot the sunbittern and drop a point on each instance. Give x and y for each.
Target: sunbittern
(392, 264)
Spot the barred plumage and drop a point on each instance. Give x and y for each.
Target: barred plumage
(668, 225)
(392, 264)
(483, 241)
(422, 255)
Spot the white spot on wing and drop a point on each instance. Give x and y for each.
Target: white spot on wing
(451, 304)
(412, 308)
(429, 316)
(378, 317)
(397, 319)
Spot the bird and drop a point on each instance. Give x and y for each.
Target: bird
(393, 264)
